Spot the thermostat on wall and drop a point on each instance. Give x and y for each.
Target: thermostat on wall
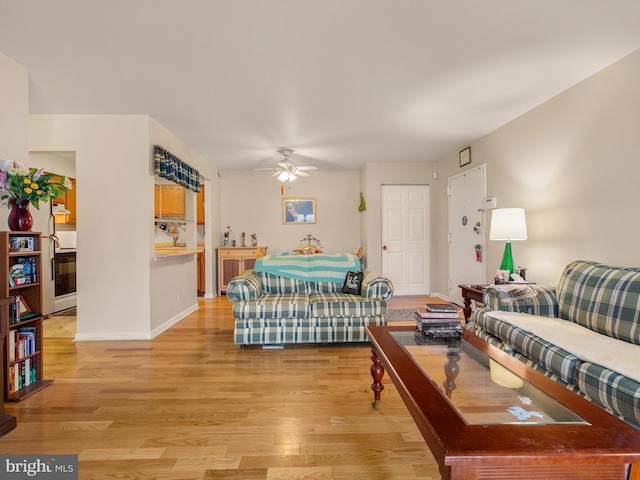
(490, 203)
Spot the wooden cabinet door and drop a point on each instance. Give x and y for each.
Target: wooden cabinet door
(200, 206)
(201, 273)
(169, 201)
(62, 198)
(71, 202)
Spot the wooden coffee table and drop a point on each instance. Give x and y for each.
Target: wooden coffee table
(486, 415)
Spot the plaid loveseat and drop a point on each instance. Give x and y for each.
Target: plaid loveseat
(583, 332)
(274, 310)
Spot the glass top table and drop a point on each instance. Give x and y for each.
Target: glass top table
(485, 414)
(480, 389)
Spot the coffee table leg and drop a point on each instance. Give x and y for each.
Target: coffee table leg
(377, 372)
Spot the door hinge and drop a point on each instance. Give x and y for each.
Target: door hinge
(449, 237)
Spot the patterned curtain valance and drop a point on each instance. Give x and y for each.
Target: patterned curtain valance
(172, 168)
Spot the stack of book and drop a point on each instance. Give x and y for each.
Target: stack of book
(439, 320)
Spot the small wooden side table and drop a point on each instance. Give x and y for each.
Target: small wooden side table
(471, 292)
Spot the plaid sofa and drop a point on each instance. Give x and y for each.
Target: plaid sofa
(598, 297)
(274, 310)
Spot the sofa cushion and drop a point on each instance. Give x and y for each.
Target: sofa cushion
(303, 330)
(274, 305)
(530, 363)
(324, 287)
(602, 298)
(276, 284)
(344, 305)
(546, 354)
(610, 390)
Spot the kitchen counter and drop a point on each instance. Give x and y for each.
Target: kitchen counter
(169, 251)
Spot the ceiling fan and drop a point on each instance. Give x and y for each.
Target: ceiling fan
(286, 170)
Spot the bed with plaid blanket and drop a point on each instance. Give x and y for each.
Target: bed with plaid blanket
(583, 332)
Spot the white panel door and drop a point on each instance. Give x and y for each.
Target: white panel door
(466, 230)
(405, 238)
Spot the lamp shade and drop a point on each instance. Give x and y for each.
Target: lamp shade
(508, 224)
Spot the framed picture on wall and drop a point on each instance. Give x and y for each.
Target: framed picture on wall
(298, 210)
(465, 156)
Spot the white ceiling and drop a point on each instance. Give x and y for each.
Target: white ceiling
(342, 82)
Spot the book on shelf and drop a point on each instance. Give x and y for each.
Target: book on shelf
(441, 307)
(424, 313)
(22, 375)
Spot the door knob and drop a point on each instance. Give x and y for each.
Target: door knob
(384, 247)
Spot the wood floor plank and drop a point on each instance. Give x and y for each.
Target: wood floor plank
(191, 405)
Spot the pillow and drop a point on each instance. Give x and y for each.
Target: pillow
(352, 283)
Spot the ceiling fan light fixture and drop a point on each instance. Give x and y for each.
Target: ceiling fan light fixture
(283, 176)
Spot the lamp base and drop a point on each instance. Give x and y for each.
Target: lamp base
(507, 259)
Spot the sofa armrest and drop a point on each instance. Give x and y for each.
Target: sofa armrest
(246, 286)
(376, 286)
(536, 299)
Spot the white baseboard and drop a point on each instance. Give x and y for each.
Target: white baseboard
(172, 321)
(96, 337)
(441, 295)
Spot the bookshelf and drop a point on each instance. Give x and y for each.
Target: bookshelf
(7, 422)
(20, 269)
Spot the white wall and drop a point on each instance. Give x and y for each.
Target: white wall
(14, 114)
(573, 163)
(252, 203)
(114, 206)
(122, 292)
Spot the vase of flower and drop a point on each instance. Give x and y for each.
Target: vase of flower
(21, 186)
(20, 219)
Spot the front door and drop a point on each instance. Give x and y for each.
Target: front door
(466, 230)
(405, 238)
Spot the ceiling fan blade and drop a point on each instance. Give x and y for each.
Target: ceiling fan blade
(301, 173)
(264, 169)
(307, 167)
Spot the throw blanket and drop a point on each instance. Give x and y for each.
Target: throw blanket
(587, 345)
(310, 268)
(512, 293)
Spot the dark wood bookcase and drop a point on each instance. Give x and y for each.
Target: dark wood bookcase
(20, 275)
(7, 422)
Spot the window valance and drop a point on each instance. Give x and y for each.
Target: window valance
(172, 168)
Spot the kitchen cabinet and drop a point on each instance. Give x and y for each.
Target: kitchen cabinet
(201, 273)
(232, 261)
(169, 202)
(200, 205)
(71, 202)
(68, 199)
(21, 267)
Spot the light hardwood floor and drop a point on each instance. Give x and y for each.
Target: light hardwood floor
(192, 405)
